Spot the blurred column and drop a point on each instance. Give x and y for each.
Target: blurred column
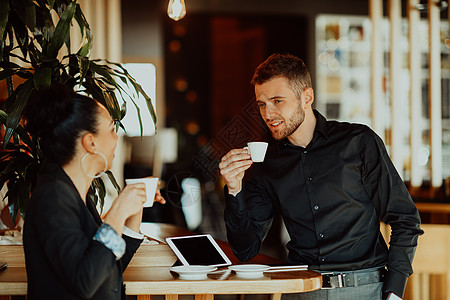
(435, 93)
(98, 26)
(114, 30)
(104, 18)
(395, 62)
(75, 37)
(376, 82)
(415, 92)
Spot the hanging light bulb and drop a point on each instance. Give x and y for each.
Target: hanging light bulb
(176, 9)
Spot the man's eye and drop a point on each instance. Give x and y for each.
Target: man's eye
(261, 104)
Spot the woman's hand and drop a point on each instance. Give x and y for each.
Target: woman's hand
(134, 221)
(131, 199)
(128, 203)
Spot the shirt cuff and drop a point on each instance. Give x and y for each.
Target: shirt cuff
(131, 233)
(111, 240)
(394, 282)
(236, 203)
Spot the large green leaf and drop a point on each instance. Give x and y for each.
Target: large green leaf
(4, 12)
(27, 12)
(86, 45)
(15, 113)
(19, 190)
(20, 32)
(108, 99)
(93, 90)
(104, 72)
(4, 178)
(83, 65)
(12, 149)
(123, 74)
(51, 3)
(19, 186)
(139, 90)
(18, 195)
(62, 30)
(113, 181)
(48, 31)
(23, 134)
(42, 77)
(113, 104)
(97, 192)
(9, 65)
(19, 164)
(7, 73)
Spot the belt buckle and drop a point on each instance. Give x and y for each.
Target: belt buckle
(327, 283)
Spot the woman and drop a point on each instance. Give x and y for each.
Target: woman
(70, 252)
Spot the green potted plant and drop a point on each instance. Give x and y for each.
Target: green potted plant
(33, 39)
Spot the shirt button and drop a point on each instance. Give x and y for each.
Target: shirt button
(306, 151)
(321, 235)
(322, 259)
(316, 207)
(309, 178)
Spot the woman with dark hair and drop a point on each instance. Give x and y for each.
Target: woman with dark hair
(70, 252)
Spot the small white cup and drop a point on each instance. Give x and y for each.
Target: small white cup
(257, 150)
(151, 183)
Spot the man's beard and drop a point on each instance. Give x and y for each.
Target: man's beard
(290, 125)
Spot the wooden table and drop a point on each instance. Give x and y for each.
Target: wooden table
(149, 273)
(160, 281)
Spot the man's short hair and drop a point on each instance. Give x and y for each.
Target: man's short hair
(284, 65)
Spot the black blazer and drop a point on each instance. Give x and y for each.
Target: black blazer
(62, 259)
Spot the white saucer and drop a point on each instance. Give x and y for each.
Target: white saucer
(193, 272)
(249, 271)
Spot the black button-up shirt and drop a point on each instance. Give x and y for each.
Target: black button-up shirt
(331, 195)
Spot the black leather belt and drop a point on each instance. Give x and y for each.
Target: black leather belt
(351, 279)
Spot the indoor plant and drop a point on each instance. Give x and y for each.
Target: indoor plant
(33, 38)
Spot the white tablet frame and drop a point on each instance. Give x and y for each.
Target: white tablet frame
(183, 260)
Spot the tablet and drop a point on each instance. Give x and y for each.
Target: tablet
(198, 250)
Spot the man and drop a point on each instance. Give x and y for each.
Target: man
(332, 182)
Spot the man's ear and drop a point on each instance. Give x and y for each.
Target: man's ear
(308, 95)
(88, 142)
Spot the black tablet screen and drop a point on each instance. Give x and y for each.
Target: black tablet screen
(198, 251)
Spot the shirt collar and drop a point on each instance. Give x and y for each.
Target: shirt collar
(321, 125)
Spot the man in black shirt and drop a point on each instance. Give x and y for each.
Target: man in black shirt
(332, 182)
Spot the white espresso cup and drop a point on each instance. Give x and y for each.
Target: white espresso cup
(151, 183)
(257, 150)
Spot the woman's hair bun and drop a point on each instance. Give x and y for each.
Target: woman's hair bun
(47, 108)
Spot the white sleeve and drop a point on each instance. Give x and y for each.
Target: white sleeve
(131, 233)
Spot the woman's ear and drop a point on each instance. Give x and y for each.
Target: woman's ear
(88, 142)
